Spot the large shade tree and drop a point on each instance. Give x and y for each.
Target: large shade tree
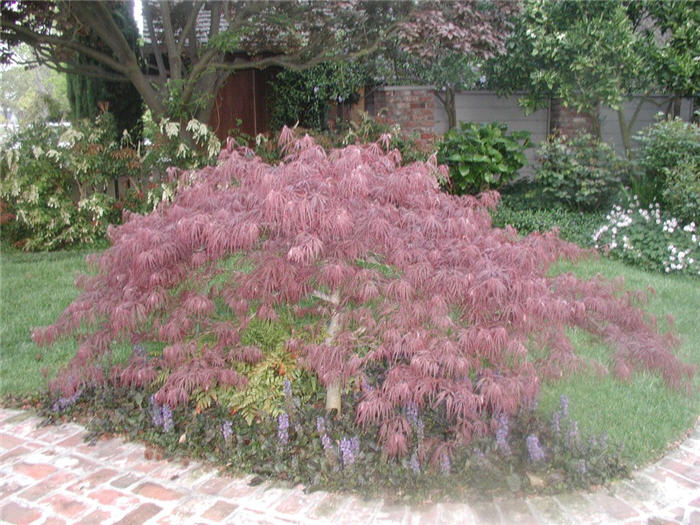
(446, 45)
(191, 47)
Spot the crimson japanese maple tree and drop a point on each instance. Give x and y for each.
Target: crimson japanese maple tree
(408, 291)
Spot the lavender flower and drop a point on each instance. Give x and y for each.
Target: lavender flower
(445, 464)
(581, 466)
(168, 424)
(287, 389)
(64, 402)
(321, 425)
(502, 434)
(227, 430)
(156, 413)
(412, 413)
(534, 449)
(349, 449)
(556, 422)
(283, 428)
(327, 445)
(564, 403)
(414, 464)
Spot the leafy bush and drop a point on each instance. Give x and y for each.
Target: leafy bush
(668, 156)
(580, 173)
(55, 183)
(302, 96)
(649, 238)
(400, 300)
(369, 129)
(572, 226)
(482, 156)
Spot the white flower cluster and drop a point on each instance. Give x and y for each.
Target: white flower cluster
(615, 236)
(678, 259)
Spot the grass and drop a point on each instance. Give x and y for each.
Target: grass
(643, 414)
(34, 290)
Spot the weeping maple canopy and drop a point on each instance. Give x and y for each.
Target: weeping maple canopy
(432, 307)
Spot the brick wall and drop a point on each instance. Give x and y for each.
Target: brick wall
(568, 121)
(413, 108)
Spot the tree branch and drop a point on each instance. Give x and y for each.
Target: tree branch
(173, 54)
(187, 32)
(162, 72)
(35, 39)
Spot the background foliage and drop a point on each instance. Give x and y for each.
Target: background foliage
(482, 156)
(580, 173)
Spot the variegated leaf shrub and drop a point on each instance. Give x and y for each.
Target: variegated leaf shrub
(396, 290)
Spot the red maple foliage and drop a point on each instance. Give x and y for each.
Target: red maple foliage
(417, 283)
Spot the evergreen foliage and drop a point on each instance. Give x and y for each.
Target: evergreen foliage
(85, 93)
(398, 290)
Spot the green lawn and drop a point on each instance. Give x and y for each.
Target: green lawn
(34, 290)
(643, 413)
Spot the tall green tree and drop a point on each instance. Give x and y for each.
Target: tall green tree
(122, 99)
(446, 46)
(592, 53)
(32, 94)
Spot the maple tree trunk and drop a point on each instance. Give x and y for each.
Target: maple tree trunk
(333, 389)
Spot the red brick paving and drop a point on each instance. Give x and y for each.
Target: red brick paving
(49, 476)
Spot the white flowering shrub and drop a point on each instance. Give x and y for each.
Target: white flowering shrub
(54, 182)
(53, 185)
(646, 237)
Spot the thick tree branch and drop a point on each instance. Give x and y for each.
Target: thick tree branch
(35, 39)
(188, 33)
(173, 52)
(155, 48)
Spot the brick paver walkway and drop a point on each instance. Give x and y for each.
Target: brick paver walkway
(48, 475)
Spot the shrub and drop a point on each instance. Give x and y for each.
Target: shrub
(482, 156)
(370, 129)
(668, 156)
(649, 238)
(55, 183)
(302, 96)
(402, 301)
(572, 226)
(579, 173)
(302, 444)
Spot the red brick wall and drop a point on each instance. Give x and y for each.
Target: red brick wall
(412, 108)
(568, 121)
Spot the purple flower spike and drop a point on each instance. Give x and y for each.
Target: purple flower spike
(156, 413)
(414, 464)
(502, 434)
(283, 428)
(349, 448)
(227, 431)
(534, 449)
(564, 402)
(168, 423)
